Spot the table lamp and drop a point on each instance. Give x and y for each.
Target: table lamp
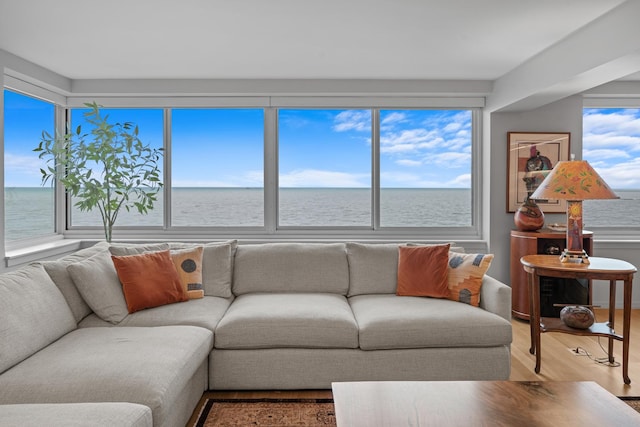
(573, 181)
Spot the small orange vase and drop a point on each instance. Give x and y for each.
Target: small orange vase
(528, 217)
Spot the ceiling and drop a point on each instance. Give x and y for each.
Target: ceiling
(289, 39)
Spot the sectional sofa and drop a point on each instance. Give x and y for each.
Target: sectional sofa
(273, 316)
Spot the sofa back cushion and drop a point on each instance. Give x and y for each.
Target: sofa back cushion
(97, 281)
(33, 314)
(217, 265)
(373, 267)
(58, 272)
(291, 267)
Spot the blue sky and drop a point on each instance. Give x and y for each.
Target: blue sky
(318, 148)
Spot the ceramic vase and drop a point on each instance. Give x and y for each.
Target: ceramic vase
(528, 217)
(577, 316)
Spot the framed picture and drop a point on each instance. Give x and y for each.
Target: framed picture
(530, 157)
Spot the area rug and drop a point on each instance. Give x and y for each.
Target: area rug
(284, 412)
(267, 413)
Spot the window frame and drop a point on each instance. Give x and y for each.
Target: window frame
(271, 231)
(31, 90)
(609, 234)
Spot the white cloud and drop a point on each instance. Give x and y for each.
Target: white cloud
(23, 164)
(461, 181)
(408, 162)
(606, 140)
(245, 179)
(453, 127)
(399, 179)
(453, 159)
(410, 140)
(413, 180)
(23, 171)
(600, 154)
(622, 123)
(621, 175)
(392, 119)
(352, 120)
(202, 183)
(323, 178)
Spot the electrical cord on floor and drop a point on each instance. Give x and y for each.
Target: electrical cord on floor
(579, 351)
(604, 361)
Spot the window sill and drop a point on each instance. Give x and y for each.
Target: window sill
(42, 251)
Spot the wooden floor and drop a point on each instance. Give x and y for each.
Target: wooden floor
(559, 362)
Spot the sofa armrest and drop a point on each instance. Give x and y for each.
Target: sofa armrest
(495, 297)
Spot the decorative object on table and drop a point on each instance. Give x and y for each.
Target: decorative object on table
(574, 181)
(530, 157)
(110, 168)
(577, 316)
(529, 216)
(557, 227)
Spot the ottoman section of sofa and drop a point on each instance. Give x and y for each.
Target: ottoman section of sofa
(164, 368)
(104, 414)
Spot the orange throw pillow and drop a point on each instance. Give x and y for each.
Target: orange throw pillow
(423, 271)
(149, 280)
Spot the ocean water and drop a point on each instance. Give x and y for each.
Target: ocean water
(29, 211)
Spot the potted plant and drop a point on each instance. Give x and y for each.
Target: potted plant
(109, 168)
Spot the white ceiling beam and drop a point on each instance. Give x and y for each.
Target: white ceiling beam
(605, 50)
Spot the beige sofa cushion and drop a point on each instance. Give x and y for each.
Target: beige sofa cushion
(57, 270)
(104, 414)
(392, 322)
(217, 266)
(124, 249)
(97, 280)
(373, 267)
(148, 366)
(204, 312)
(291, 267)
(288, 320)
(33, 314)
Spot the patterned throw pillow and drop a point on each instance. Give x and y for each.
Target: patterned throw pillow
(422, 271)
(188, 263)
(465, 276)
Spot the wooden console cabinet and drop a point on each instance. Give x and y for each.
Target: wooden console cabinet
(552, 290)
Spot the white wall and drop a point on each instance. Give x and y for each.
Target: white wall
(562, 116)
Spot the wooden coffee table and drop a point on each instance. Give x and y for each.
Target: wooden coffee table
(479, 403)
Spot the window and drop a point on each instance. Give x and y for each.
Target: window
(425, 168)
(150, 124)
(217, 176)
(29, 206)
(261, 171)
(324, 161)
(611, 144)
